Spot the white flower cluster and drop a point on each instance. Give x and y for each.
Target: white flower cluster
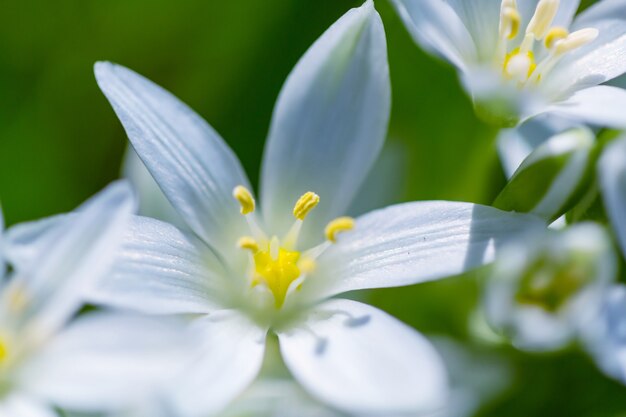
(180, 296)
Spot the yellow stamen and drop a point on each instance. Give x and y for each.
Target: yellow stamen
(554, 35)
(542, 20)
(305, 204)
(277, 272)
(4, 350)
(510, 22)
(519, 66)
(342, 224)
(248, 243)
(575, 40)
(244, 196)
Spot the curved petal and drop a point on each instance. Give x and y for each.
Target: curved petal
(73, 260)
(612, 174)
(107, 361)
(436, 27)
(329, 123)
(514, 145)
(601, 106)
(601, 10)
(191, 163)
(566, 13)
(161, 270)
(25, 242)
(414, 242)
(593, 64)
(232, 353)
(361, 360)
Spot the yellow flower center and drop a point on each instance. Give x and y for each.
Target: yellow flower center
(276, 264)
(519, 64)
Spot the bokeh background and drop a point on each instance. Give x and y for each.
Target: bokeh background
(60, 142)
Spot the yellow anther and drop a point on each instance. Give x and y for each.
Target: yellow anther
(575, 40)
(510, 22)
(519, 66)
(554, 35)
(543, 18)
(305, 204)
(248, 243)
(244, 196)
(342, 224)
(307, 265)
(4, 351)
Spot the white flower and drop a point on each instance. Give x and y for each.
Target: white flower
(53, 265)
(547, 287)
(522, 58)
(242, 276)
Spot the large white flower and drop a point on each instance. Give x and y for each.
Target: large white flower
(522, 58)
(245, 274)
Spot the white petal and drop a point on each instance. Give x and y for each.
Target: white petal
(601, 10)
(25, 242)
(73, 261)
(593, 64)
(232, 353)
(329, 123)
(190, 162)
(161, 270)
(612, 173)
(482, 20)
(359, 359)
(16, 405)
(152, 201)
(414, 242)
(601, 106)
(108, 361)
(436, 27)
(514, 145)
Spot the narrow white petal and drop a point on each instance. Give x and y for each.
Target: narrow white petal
(74, 259)
(612, 173)
(436, 27)
(25, 242)
(329, 123)
(414, 242)
(482, 20)
(566, 13)
(600, 106)
(107, 361)
(191, 163)
(232, 353)
(161, 270)
(361, 360)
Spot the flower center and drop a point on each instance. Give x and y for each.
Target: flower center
(549, 285)
(519, 64)
(276, 264)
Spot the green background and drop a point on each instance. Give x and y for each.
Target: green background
(60, 142)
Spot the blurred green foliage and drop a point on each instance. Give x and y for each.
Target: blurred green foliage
(60, 142)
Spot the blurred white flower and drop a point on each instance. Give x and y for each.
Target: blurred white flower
(545, 288)
(244, 274)
(40, 296)
(522, 58)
